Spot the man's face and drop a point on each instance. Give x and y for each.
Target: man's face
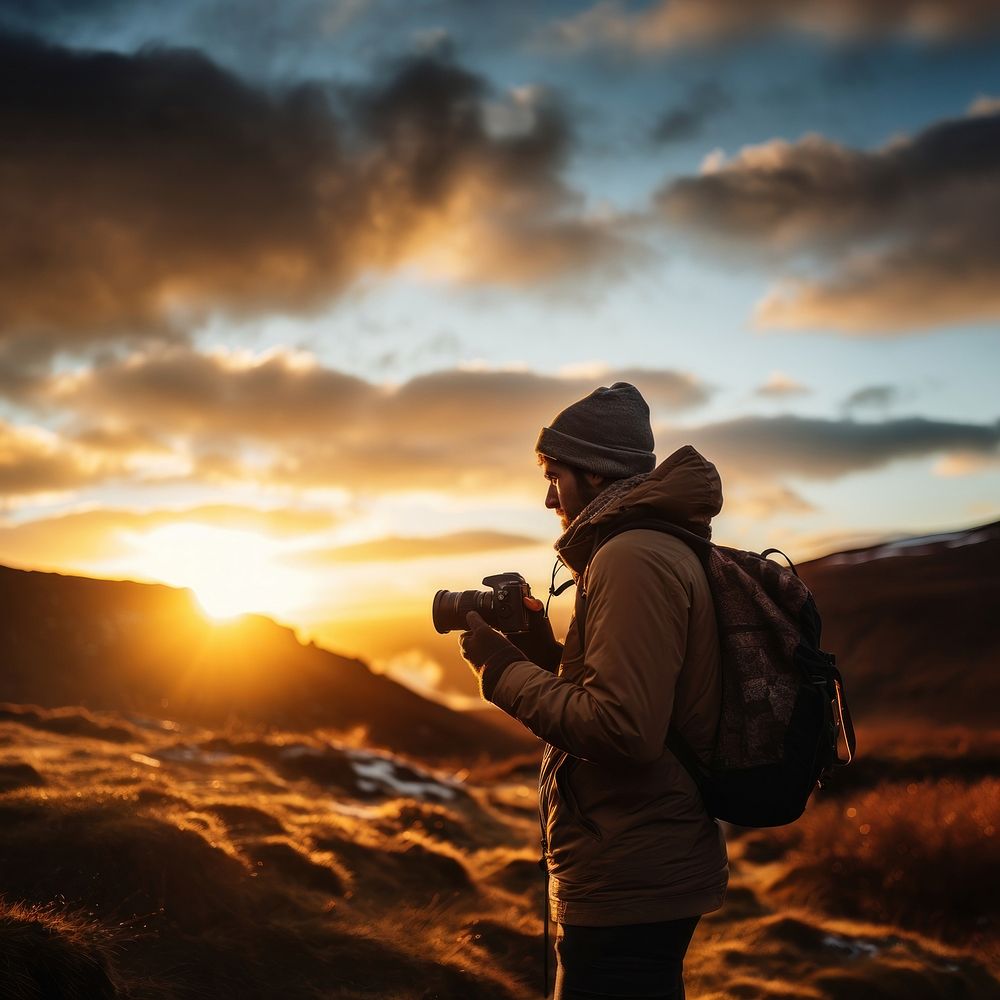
(570, 490)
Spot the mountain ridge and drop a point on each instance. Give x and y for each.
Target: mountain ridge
(148, 649)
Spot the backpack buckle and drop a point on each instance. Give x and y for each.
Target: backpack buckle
(844, 755)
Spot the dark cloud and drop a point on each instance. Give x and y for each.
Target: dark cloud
(762, 447)
(179, 391)
(394, 548)
(142, 191)
(312, 426)
(872, 397)
(671, 24)
(908, 229)
(32, 15)
(687, 120)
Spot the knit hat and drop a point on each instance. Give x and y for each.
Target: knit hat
(607, 433)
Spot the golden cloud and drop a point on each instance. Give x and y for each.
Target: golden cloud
(761, 502)
(282, 420)
(310, 426)
(85, 537)
(907, 231)
(395, 548)
(780, 385)
(671, 24)
(34, 460)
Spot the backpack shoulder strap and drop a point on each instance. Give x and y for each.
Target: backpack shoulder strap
(641, 520)
(700, 546)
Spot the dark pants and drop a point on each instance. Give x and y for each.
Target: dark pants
(633, 962)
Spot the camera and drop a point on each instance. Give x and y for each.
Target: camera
(503, 608)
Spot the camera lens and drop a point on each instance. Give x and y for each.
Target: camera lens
(451, 606)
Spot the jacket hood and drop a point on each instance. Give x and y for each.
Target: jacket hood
(685, 490)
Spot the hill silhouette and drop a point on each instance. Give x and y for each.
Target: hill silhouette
(147, 649)
(914, 624)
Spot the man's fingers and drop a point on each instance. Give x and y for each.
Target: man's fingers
(533, 603)
(474, 620)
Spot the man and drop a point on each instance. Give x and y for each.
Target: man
(632, 856)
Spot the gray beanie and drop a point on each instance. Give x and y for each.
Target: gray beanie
(606, 432)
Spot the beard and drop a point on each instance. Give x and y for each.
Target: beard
(585, 493)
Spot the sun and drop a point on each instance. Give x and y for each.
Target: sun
(232, 572)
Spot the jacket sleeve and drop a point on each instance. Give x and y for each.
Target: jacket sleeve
(635, 636)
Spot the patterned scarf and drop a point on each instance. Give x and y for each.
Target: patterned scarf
(576, 542)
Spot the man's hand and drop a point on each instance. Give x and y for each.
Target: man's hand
(538, 644)
(480, 641)
(487, 651)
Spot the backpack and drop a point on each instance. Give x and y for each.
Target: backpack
(784, 725)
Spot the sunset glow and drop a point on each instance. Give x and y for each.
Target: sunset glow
(231, 572)
(288, 294)
(297, 297)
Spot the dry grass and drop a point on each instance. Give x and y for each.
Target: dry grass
(925, 856)
(221, 869)
(45, 954)
(193, 864)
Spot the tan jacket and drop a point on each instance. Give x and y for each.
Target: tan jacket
(627, 837)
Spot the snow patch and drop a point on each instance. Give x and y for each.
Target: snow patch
(855, 947)
(381, 773)
(375, 773)
(919, 545)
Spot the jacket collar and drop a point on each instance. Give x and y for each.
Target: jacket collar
(684, 490)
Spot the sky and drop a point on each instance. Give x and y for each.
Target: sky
(287, 291)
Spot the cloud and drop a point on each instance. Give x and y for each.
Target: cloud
(88, 536)
(34, 461)
(671, 24)
(905, 234)
(984, 105)
(771, 447)
(687, 120)
(282, 418)
(143, 191)
(760, 503)
(396, 549)
(180, 391)
(966, 463)
(875, 397)
(921, 288)
(780, 386)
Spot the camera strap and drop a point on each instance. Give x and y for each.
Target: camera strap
(555, 591)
